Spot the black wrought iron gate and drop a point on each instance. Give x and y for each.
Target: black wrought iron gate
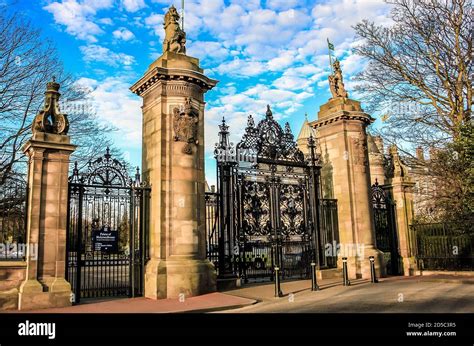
(107, 244)
(385, 228)
(268, 204)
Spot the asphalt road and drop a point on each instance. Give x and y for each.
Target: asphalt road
(397, 295)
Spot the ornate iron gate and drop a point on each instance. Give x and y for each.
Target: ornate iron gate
(268, 204)
(107, 244)
(385, 228)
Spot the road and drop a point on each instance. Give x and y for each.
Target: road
(397, 295)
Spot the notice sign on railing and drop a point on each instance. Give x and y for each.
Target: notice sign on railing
(105, 240)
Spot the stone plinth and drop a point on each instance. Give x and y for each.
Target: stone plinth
(173, 162)
(341, 131)
(45, 284)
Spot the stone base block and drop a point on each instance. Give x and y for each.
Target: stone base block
(172, 277)
(380, 267)
(9, 299)
(43, 300)
(34, 295)
(228, 283)
(409, 266)
(359, 267)
(329, 273)
(56, 285)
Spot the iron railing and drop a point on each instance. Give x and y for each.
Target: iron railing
(441, 246)
(212, 227)
(13, 197)
(329, 233)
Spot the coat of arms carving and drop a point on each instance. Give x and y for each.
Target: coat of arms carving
(185, 124)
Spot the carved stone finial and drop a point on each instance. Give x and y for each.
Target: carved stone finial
(175, 37)
(336, 83)
(50, 119)
(399, 168)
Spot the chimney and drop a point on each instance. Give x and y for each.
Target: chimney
(433, 153)
(420, 154)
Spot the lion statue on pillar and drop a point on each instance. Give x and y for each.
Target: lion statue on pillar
(175, 38)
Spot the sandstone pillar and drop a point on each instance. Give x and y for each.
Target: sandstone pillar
(402, 195)
(173, 90)
(341, 130)
(48, 151)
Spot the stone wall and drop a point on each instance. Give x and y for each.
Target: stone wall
(12, 273)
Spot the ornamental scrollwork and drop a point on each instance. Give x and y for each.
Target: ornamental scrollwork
(256, 209)
(270, 141)
(292, 210)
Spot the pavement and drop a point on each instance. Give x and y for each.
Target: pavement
(421, 294)
(204, 303)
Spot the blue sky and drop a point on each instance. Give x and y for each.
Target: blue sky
(262, 52)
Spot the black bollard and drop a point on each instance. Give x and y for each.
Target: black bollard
(373, 275)
(345, 276)
(278, 292)
(314, 282)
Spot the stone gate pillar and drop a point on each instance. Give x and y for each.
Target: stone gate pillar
(341, 131)
(173, 90)
(48, 151)
(401, 187)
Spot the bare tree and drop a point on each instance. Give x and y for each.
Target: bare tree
(27, 63)
(419, 76)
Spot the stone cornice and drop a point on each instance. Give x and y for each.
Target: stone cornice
(343, 116)
(157, 74)
(38, 144)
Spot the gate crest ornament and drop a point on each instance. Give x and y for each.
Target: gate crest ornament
(270, 141)
(104, 171)
(185, 124)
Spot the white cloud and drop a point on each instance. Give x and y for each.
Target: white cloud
(106, 21)
(242, 68)
(282, 4)
(155, 22)
(115, 104)
(78, 16)
(208, 50)
(283, 60)
(96, 53)
(133, 5)
(123, 34)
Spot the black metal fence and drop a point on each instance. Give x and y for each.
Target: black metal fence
(329, 232)
(13, 196)
(440, 246)
(212, 227)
